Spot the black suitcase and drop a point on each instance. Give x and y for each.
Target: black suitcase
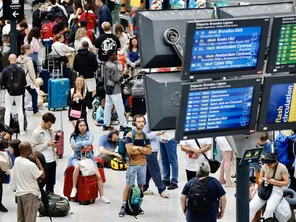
(138, 106)
(2, 113)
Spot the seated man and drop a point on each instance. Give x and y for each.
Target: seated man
(107, 146)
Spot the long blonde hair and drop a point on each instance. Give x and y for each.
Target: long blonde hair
(80, 33)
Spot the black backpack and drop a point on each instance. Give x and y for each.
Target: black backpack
(57, 206)
(16, 82)
(199, 199)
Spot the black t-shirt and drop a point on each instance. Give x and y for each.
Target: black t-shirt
(106, 42)
(19, 41)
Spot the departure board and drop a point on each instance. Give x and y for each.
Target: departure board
(282, 53)
(227, 48)
(219, 109)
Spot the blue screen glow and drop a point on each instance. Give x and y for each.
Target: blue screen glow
(218, 109)
(225, 48)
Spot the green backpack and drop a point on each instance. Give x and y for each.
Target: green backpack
(121, 144)
(134, 201)
(95, 104)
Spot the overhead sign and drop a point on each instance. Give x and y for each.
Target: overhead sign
(13, 9)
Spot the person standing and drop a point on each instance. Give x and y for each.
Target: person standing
(26, 63)
(104, 15)
(153, 169)
(13, 79)
(137, 145)
(24, 180)
(194, 154)
(5, 50)
(113, 92)
(20, 36)
(43, 142)
(86, 64)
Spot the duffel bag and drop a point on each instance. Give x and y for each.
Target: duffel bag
(58, 206)
(117, 164)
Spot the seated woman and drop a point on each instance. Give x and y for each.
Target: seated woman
(80, 139)
(132, 56)
(280, 180)
(14, 150)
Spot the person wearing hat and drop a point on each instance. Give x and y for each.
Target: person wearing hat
(276, 174)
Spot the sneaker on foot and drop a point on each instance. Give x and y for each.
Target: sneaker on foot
(165, 194)
(3, 209)
(122, 212)
(105, 128)
(37, 114)
(148, 192)
(104, 200)
(122, 128)
(22, 133)
(166, 183)
(141, 211)
(73, 193)
(172, 186)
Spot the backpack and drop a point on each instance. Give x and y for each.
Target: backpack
(95, 105)
(121, 144)
(282, 145)
(91, 19)
(134, 201)
(199, 199)
(292, 146)
(58, 206)
(16, 82)
(57, 12)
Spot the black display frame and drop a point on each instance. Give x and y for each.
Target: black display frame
(240, 22)
(268, 82)
(273, 49)
(180, 134)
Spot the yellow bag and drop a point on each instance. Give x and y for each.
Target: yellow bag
(117, 164)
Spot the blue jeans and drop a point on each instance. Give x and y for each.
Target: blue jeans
(132, 172)
(34, 56)
(153, 170)
(34, 95)
(169, 158)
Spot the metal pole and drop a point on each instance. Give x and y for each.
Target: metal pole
(242, 192)
(13, 38)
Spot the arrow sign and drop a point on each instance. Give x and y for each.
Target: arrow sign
(15, 14)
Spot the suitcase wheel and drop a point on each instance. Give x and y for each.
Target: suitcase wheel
(93, 200)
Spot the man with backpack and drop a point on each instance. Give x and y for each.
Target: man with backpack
(13, 79)
(137, 146)
(57, 10)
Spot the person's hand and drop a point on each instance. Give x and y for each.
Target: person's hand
(220, 215)
(50, 143)
(164, 140)
(74, 147)
(271, 181)
(197, 151)
(194, 156)
(86, 148)
(118, 155)
(10, 150)
(7, 172)
(74, 97)
(35, 157)
(80, 96)
(159, 133)
(133, 65)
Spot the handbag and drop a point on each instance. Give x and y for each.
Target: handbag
(283, 211)
(214, 164)
(5, 161)
(75, 113)
(64, 59)
(87, 167)
(264, 192)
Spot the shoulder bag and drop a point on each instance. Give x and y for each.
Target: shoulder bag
(264, 192)
(214, 164)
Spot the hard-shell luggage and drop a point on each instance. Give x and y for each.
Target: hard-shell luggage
(58, 90)
(139, 106)
(87, 187)
(100, 164)
(59, 138)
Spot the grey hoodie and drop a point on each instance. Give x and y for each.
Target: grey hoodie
(28, 67)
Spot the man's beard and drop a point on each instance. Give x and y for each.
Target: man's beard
(137, 128)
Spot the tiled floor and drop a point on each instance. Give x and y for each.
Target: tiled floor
(156, 209)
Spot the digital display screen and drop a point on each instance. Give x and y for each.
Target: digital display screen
(225, 48)
(227, 108)
(282, 104)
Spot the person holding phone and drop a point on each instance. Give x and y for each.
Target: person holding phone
(43, 141)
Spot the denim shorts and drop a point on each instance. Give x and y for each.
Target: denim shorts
(131, 173)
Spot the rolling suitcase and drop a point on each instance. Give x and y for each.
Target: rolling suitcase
(138, 106)
(87, 187)
(59, 138)
(100, 164)
(58, 90)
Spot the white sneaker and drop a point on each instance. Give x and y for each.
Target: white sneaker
(37, 114)
(73, 193)
(22, 133)
(165, 194)
(104, 200)
(148, 192)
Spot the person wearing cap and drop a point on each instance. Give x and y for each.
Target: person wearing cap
(280, 180)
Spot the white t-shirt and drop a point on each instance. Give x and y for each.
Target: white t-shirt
(25, 175)
(190, 163)
(48, 153)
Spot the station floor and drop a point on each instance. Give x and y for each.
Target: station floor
(157, 209)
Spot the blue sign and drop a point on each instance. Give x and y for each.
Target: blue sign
(225, 48)
(218, 109)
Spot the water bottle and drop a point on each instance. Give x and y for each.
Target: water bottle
(136, 200)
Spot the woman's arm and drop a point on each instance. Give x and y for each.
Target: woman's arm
(69, 99)
(222, 201)
(187, 149)
(283, 183)
(262, 175)
(127, 59)
(86, 142)
(78, 12)
(31, 71)
(183, 199)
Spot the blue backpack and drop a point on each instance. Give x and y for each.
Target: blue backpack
(284, 155)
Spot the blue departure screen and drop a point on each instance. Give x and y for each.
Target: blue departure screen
(225, 48)
(218, 109)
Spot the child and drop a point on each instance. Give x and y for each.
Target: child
(100, 113)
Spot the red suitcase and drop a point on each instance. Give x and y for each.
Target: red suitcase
(59, 138)
(100, 164)
(87, 187)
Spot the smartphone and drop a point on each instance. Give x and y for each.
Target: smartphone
(190, 155)
(55, 142)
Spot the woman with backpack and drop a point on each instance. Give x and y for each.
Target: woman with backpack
(26, 62)
(273, 177)
(211, 203)
(81, 142)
